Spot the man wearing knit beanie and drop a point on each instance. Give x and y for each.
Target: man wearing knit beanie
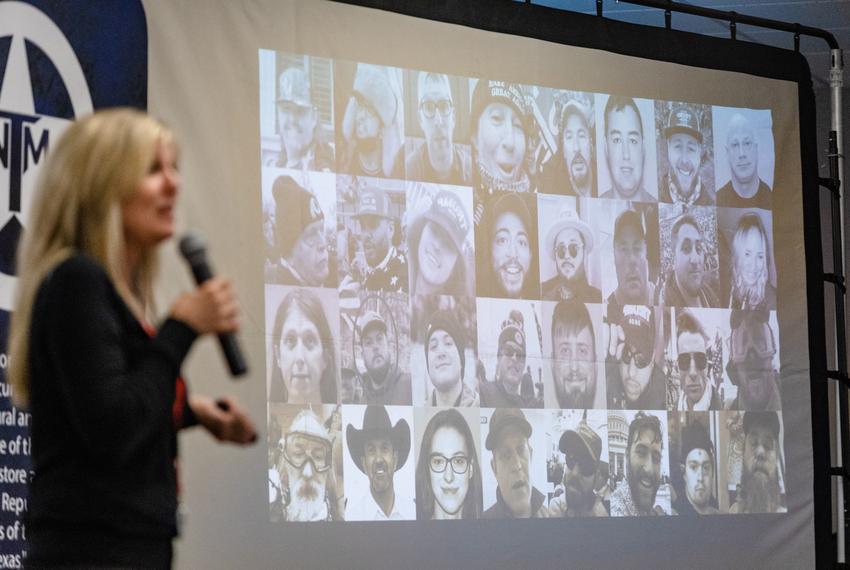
(696, 455)
(445, 361)
(299, 234)
(501, 124)
(371, 125)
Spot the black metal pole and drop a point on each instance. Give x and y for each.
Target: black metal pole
(738, 18)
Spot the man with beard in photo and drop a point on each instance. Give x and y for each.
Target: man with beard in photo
(386, 266)
(504, 391)
(686, 285)
(297, 120)
(383, 382)
(508, 440)
(699, 471)
(682, 184)
(634, 380)
(752, 348)
(299, 233)
(307, 481)
(582, 449)
(379, 450)
(573, 355)
(371, 125)
(506, 263)
(571, 170)
(643, 470)
(568, 244)
(630, 261)
(439, 159)
(760, 490)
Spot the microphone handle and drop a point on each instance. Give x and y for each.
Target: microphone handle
(232, 353)
(235, 360)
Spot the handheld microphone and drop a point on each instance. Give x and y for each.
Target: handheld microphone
(194, 250)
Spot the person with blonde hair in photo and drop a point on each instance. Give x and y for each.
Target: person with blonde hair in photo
(102, 384)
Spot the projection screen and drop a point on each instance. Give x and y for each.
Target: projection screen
(489, 277)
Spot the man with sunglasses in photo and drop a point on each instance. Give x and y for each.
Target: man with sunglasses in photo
(752, 347)
(634, 380)
(504, 391)
(568, 244)
(696, 391)
(307, 489)
(439, 159)
(582, 448)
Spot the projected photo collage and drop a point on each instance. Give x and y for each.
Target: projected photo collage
(493, 300)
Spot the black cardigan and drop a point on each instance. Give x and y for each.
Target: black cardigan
(101, 396)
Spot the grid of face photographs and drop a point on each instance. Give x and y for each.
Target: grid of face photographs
(493, 300)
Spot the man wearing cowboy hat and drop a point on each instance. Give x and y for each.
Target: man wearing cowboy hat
(307, 483)
(299, 233)
(568, 244)
(379, 450)
(682, 184)
(582, 449)
(297, 120)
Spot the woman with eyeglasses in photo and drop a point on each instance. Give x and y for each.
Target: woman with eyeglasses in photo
(448, 477)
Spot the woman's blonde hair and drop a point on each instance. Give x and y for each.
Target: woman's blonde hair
(97, 165)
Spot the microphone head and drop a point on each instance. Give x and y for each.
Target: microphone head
(193, 247)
